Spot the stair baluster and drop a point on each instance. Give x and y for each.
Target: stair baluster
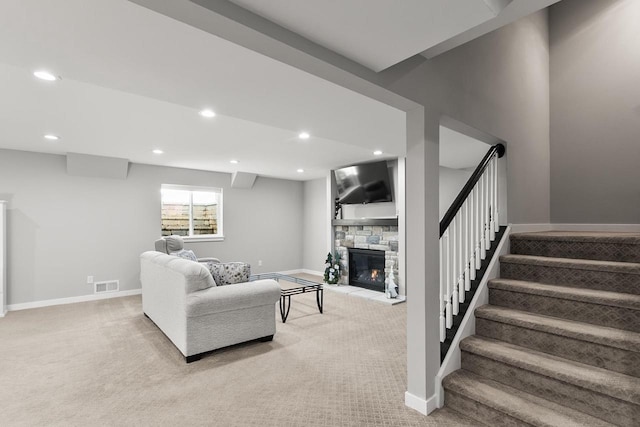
(443, 293)
(454, 267)
(447, 295)
(467, 279)
(472, 247)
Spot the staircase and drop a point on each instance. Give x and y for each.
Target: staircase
(559, 342)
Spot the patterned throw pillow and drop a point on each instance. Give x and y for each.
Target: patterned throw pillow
(186, 254)
(228, 273)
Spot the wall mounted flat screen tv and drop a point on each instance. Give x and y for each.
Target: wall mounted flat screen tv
(364, 183)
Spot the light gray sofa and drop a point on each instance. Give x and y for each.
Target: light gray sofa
(182, 299)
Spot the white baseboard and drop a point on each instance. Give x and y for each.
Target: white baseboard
(315, 273)
(530, 228)
(71, 300)
(527, 228)
(296, 271)
(425, 407)
(598, 227)
(302, 270)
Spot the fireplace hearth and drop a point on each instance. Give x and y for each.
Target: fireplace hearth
(366, 269)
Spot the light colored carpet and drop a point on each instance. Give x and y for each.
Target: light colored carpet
(103, 363)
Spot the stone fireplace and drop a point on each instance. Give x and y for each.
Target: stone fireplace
(379, 235)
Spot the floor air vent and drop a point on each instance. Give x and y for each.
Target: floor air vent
(107, 286)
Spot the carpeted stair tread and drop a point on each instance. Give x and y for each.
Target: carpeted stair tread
(612, 337)
(578, 245)
(591, 296)
(580, 236)
(577, 264)
(515, 403)
(614, 384)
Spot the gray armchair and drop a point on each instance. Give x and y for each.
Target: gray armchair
(224, 273)
(169, 244)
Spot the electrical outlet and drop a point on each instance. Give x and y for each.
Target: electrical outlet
(259, 263)
(89, 280)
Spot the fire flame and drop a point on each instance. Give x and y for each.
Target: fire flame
(374, 274)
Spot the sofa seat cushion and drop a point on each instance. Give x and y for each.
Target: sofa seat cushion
(234, 297)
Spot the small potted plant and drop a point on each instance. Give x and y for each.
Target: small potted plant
(332, 269)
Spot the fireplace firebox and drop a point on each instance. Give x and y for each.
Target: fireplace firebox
(366, 269)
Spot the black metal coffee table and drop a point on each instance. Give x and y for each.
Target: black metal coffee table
(285, 294)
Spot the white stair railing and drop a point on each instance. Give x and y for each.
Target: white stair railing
(467, 232)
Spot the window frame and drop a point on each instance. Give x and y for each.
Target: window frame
(219, 236)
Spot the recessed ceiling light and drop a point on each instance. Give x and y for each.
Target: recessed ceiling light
(235, 162)
(51, 137)
(157, 151)
(207, 113)
(45, 75)
(300, 170)
(377, 153)
(304, 135)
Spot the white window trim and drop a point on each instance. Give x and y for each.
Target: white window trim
(204, 238)
(200, 237)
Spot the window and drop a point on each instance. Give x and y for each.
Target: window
(192, 212)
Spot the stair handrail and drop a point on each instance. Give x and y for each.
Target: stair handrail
(500, 149)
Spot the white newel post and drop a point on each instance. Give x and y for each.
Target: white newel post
(3, 258)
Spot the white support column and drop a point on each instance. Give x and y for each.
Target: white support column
(423, 335)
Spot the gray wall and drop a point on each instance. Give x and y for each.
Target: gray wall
(315, 225)
(499, 84)
(62, 228)
(451, 182)
(595, 111)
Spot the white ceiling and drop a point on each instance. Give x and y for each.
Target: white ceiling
(381, 33)
(134, 80)
(374, 33)
(106, 122)
(459, 151)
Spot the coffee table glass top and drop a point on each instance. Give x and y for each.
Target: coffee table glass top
(299, 286)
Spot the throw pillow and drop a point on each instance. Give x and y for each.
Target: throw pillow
(186, 254)
(227, 273)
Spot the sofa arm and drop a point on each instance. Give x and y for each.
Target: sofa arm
(234, 297)
(208, 259)
(160, 270)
